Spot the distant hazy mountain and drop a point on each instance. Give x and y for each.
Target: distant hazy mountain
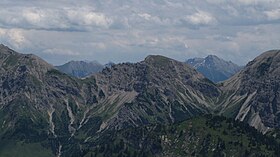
(80, 68)
(214, 68)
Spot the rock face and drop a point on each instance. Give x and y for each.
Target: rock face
(214, 68)
(80, 69)
(253, 95)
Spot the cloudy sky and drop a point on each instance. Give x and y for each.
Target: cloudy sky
(129, 30)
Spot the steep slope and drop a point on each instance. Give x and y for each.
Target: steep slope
(214, 68)
(253, 95)
(80, 69)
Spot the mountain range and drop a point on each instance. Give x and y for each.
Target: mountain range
(151, 106)
(214, 68)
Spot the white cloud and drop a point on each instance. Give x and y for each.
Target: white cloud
(2, 32)
(201, 18)
(273, 14)
(14, 37)
(146, 16)
(88, 18)
(33, 17)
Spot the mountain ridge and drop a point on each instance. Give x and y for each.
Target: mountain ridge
(41, 104)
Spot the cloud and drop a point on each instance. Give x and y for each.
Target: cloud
(65, 19)
(88, 18)
(201, 18)
(273, 14)
(14, 38)
(61, 30)
(146, 16)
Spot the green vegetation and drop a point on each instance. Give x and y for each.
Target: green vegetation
(21, 149)
(201, 136)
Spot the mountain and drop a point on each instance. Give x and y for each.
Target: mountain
(80, 69)
(45, 109)
(214, 68)
(253, 94)
(156, 90)
(157, 106)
